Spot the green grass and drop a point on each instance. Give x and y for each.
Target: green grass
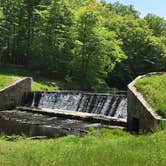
(40, 83)
(153, 89)
(113, 150)
(6, 80)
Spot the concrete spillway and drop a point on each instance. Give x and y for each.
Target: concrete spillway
(102, 104)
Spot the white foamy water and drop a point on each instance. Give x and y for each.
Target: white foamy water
(109, 105)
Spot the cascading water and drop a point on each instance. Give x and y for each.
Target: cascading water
(104, 104)
(60, 113)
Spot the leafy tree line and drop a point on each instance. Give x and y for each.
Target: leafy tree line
(84, 40)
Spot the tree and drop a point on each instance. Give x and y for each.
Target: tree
(145, 52)
(1, 30)
(84, 40)
(53, 41)
(18, 29)
(156, 24)
(123, 10)
(97, 49)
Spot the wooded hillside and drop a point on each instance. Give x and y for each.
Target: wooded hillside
(84, 40)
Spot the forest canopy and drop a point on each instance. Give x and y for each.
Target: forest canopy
(95, 43)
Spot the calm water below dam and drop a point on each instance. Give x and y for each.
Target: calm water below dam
(14, 122)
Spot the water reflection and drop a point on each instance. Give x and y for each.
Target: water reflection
(16, 122)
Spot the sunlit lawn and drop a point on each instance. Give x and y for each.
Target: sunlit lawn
(154, 90)
(110, 150)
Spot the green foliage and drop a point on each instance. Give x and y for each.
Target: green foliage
(85, 40)
(123, 10)
(96, 48)
(13, 138)
(154, 90)
(145, 52)
(158, 127)
(107, 133)
(52, 44)
(10, 73)
(156, 24)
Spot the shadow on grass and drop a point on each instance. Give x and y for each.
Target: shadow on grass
(40, 82)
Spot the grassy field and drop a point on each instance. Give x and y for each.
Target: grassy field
(115, 149)
(40, 83)
(154, 90)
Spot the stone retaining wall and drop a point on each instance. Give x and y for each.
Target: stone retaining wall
(12, 96)
(141, 116)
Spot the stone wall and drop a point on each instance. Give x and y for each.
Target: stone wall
(141, 116)
(12, 96)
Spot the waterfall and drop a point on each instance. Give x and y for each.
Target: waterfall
(104, 104)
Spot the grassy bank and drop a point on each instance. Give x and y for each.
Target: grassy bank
(154, 90)
(7, 80)
(113, 150)
(8, 72)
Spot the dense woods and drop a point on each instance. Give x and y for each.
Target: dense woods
(94, 43)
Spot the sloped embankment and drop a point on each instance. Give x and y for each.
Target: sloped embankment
(153, 89)
(146, 102)
(5, 80)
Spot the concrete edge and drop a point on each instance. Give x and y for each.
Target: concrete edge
(14, 94)
(141, 98)
(78, 115)
(122, 93)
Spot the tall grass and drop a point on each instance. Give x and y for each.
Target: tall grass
(116, 150)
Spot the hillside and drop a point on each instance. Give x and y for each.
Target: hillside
(99, 44)
(9, 73)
